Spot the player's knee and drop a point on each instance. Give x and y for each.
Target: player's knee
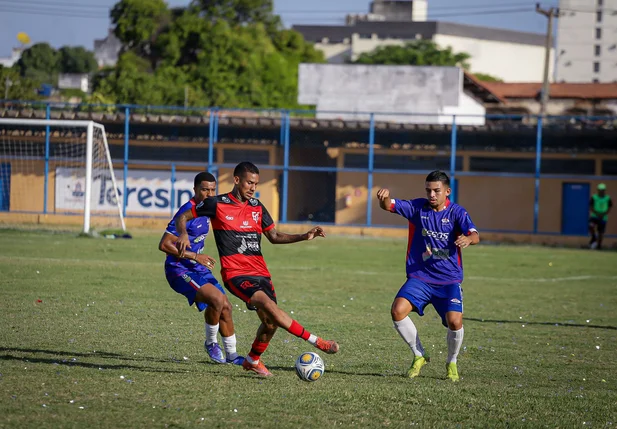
(398, 312)
(455, 324)
(218, 301)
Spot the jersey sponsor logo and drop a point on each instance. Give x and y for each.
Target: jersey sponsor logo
(455, 301)
(445, 220)
(436, 235)
(245, 224)
(246, 284)
(256, 217)
(253, 202)
(201, 238)
(229, 217)
(435, 254)
(248, 245)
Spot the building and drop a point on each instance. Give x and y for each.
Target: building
(586, 41)
(79, 81)
(10, 61)
(106, 50)
(508, 55)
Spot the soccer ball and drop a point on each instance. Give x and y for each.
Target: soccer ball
(309, 366)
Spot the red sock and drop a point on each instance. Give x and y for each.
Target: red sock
(298, 330)
(257, 349)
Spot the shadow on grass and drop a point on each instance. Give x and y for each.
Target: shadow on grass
(521, 322)
(97, 354)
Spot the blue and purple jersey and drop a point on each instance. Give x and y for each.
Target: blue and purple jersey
(432, 255)
(197, 230)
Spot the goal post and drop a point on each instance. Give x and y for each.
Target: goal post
(64, 158)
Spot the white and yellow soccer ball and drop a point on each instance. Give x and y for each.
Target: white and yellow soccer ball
(309, 366)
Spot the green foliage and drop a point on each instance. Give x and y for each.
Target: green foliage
(76, 59)
(227, 53)
(416, 53)
(13, 86)
(40, 62)
(487, 77)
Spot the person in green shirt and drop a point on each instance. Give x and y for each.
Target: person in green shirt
(600, 206)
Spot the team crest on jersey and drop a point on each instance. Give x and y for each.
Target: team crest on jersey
(253, 202)
(256, 217)
(445, 220)
(226, 200)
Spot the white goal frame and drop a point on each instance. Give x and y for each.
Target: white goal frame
(89, 126)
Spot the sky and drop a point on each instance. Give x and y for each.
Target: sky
(80, 22)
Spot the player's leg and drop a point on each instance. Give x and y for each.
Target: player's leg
(215, 301)
(592, 232)
(265, 332)
(601, 230)
(262, 301)
(448, 303)
(228, 335)
(412, 296)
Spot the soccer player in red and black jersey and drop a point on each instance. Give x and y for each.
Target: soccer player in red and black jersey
(238, 221)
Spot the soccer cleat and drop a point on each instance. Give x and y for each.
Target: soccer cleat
(452, 371)
(238, 360)
(215, 352)
(329, 347)
(259, 368)
(416, 366)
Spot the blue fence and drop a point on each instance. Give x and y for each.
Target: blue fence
(454, 125)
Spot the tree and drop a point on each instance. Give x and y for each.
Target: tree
(227, 53)
(40, 62)
(77, 60)
(416, 53)
(487, 77)
(13, 86)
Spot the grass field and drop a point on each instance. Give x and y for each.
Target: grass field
(92, 336)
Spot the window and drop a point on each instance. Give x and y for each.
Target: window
(598, 33)
(600, 3)
(598, 50)
(599, 16)
(596, 67)
(596, 80)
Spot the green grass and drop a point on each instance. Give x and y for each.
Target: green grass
(110, 345)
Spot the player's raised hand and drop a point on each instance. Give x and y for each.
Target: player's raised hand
(182, 244)
(463, 241)
(315, 232)
(205, 260)
(383, 195)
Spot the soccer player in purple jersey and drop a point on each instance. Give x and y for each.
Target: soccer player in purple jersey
(438, 230)
(191, 275)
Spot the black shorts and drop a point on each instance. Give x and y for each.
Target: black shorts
(600, 223)
(244, 287)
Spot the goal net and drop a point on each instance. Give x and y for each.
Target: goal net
(58, 168)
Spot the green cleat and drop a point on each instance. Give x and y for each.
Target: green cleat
(418, 363)
(452, 371)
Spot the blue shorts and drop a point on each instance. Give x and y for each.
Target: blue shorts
(189, 283)
(444, 298)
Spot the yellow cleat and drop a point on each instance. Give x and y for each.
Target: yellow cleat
(418, 363)
(452, 371)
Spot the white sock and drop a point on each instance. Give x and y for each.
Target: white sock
(229, 344)
(408, 332)
(252, 361)
(211, 331)
(454, 339)
(312, 339)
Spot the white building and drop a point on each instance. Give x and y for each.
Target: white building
(74, 81)
(106, 50)
(512, 56)
(587, 41)
(10, 61)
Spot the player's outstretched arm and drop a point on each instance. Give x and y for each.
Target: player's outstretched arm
(183, 238)
(276, 237)
(385, 201)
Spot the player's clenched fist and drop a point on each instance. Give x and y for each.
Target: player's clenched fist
(383, 195)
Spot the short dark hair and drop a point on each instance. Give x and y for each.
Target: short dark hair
(204, 176)
(245, 167)
(438, 176)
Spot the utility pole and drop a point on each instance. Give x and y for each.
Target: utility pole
(551, 13)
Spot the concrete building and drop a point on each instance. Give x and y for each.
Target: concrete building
(10, 61)
(512, 56)
(106, 50)
(587, 41)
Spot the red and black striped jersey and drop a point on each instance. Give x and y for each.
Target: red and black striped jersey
(237, 230)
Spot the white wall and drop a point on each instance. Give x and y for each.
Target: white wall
(510, 62)
(576, 41)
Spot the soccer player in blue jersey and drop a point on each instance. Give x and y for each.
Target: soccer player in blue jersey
(191, 275)
(438, 230)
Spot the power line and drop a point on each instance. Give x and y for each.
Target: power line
(52, 3)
